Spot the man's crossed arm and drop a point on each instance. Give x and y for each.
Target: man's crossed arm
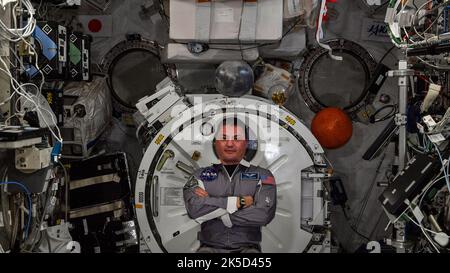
(257, 211)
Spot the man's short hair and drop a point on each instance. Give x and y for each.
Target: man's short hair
(235, 122)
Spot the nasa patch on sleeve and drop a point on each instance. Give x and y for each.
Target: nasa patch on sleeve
(208, 174)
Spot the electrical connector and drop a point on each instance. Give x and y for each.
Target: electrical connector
(405, 18)
(24, 49)
(429, 121)
(56, 152)
(32, 158)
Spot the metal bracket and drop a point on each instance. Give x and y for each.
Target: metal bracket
(315, 175)
(401, 73)
(319, 160)
(400, 119)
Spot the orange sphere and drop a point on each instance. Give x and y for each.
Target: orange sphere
(332, 127)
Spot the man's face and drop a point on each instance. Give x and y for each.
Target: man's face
(231, 144)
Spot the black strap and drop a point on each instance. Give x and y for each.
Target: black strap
(373, 118)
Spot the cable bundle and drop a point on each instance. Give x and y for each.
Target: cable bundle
(17, 34)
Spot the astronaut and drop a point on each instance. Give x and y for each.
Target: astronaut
(231, 200)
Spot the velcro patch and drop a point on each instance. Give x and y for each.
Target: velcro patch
(249, 176)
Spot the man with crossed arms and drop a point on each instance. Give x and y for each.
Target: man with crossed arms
(231, 200)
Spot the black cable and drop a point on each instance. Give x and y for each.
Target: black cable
(393, 107)
(66, 191)
(380, 62)
(291, 28)
(352, 227)
(15, 226)
(41, 220)
(385, 55)
(261, 45)
(5, 204)
(369, 191)
(240, 26)
(48, 243)
(363, 207)
(162, 12)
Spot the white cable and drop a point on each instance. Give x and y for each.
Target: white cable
(414, 17)
(39, 90)
(36, 63)
(19, 34)
(432, 65)
(407, 36)
(419, 204)
(39, 109)
(401, 10)
(19, 88)
(392, 19)
(404, 4)
(424, 233)
(7, 99)
(426, 190)
(423, 229)
(419, 225)
(16, 34)
(10, 117)
(139, 128)
(39, 8)
(429, 230)
(319, 32)
(445, 169)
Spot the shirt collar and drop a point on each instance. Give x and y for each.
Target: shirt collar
(243, 162)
